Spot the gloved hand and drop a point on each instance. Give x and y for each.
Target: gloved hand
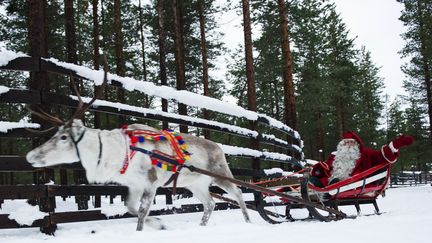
(403, 140)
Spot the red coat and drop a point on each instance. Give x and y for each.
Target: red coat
(368, 159)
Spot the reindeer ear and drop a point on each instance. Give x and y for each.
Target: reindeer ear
(77, 123)
(77, 128)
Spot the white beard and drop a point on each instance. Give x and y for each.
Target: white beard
(345, 161)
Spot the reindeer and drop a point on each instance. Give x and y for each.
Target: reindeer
(102, 154)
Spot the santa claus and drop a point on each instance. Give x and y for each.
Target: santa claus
(352, 157)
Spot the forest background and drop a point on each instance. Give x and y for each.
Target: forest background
(335, 86)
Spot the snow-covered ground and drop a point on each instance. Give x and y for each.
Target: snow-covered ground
(406, 217)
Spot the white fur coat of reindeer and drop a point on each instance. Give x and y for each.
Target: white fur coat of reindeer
(102, 153)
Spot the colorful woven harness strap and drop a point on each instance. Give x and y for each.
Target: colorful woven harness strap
(158, 158)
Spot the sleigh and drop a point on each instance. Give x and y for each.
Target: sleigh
(362, 188)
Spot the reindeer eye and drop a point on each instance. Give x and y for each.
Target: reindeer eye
(63, 137)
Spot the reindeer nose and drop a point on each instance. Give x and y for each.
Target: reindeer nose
(32, 157)
(29, 157)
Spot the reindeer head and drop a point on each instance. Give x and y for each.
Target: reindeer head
(61, 148)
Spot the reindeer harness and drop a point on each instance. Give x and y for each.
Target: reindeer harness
(172, 163)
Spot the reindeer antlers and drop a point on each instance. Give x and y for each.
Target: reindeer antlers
(45, 116)
(81, 108)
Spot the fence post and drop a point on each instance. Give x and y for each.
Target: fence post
(81, 200)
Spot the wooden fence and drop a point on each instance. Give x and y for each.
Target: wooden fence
(410, 178)
(282, 146)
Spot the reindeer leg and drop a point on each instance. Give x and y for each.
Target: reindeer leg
(133, 199)
(144, 208)
(204, 196)
(237, 194)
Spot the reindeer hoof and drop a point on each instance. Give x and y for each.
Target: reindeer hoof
(155, 223)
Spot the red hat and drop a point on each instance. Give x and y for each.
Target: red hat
(353, 135)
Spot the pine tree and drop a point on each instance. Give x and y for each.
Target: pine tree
(340, 72)
(268, 63)
(416, 16)
(396, 126)
(310, 19)
(419, 153)
(367, 100)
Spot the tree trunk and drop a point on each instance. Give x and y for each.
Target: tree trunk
(98, 92)
(180, 62)
(71, 45)
(250, 73)
(71, 41)
(120, 62)
(340, 117)
(162, 55)
(321, 135)
(38, 48)
(103, 45)
(290, 115)
(141, 25)
(250, 76)
(205, 67)
(38, 37)
(147, 100)
(427, 80)
(38, 41)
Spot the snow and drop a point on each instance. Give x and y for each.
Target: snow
(22, 212)
(411, 172)
(111, 210)
(3, 89)
(97, 76)
(280, 171)
(234, 150)
(406, 213)
(7, 56)
(5, 126)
